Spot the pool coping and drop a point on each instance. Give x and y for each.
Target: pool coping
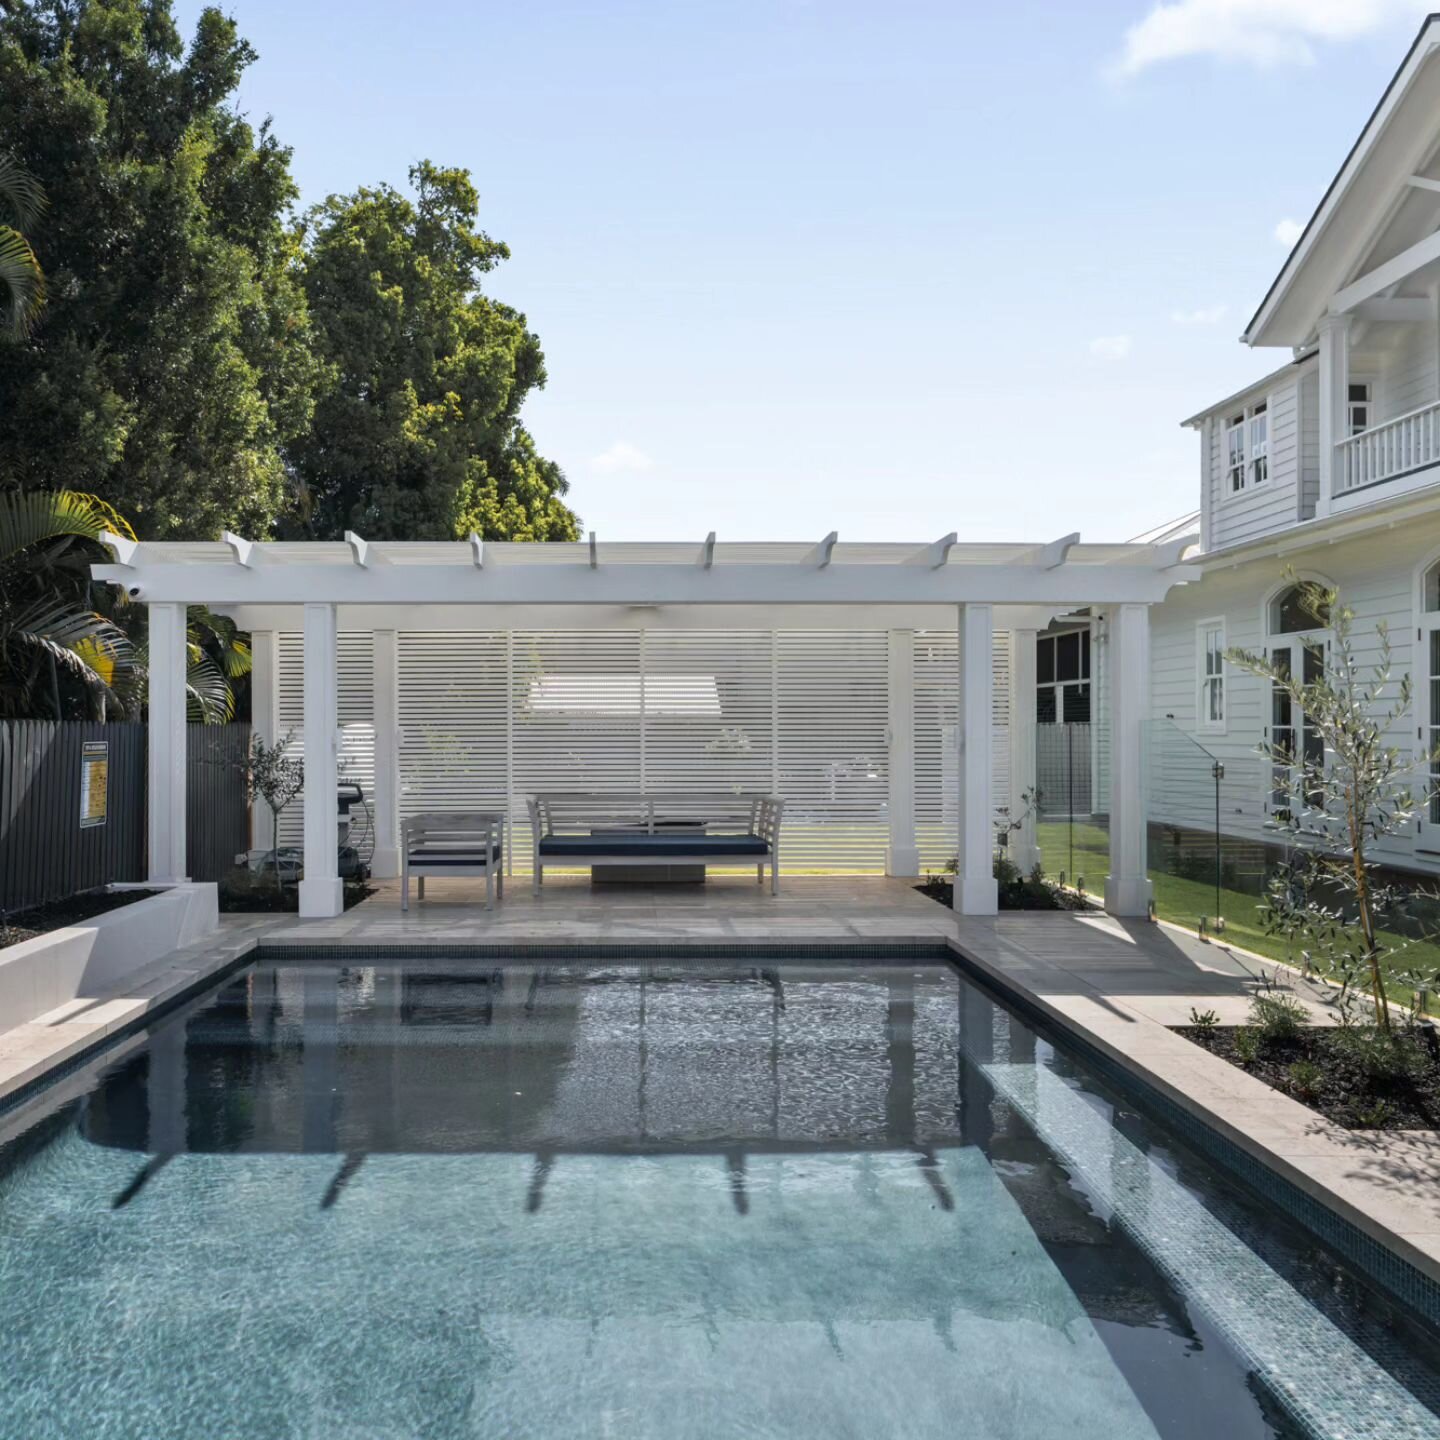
(1338, 1184)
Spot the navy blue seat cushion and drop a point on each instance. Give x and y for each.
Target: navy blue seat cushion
(653, 846)
(446, 855)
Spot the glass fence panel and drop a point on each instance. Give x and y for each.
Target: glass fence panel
(1072, 827)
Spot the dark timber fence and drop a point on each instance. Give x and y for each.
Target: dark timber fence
(47, 854)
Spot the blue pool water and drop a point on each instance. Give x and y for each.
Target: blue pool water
(699, 1200)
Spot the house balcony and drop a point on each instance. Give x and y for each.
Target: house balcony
(1391, 451)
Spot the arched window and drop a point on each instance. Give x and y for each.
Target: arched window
(1298, 609)
(1430, 589)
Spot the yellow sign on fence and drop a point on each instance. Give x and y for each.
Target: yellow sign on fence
(94, 782)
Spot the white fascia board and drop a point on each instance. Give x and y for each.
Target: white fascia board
(297, 584)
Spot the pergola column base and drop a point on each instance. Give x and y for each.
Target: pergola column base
(1127, 897)
(322, 899)
(976, 895)
(902, 862)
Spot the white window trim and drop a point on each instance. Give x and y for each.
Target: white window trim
(1261, 404)
(1203, 724)
(1297, 639)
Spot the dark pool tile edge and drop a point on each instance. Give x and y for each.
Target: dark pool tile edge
(1374, 1258)
(858, 951)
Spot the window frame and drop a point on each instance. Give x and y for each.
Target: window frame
(1246, 465)
(1207, 680)
(1352, 404)
(1313, 638)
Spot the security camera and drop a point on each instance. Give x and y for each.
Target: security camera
(134, 592)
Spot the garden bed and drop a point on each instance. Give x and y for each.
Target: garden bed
(1355, 1076)
(247, 892)
(58, 914)
(1021, 893)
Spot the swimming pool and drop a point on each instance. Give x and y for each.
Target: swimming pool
(709, 1198)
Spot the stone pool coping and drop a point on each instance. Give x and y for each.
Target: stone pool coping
(1383, 1187)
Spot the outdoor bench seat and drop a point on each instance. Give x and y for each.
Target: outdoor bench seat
(673, 830)
(658, 847)
(453, 843)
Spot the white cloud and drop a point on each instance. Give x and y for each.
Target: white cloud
(1110, 347)
(1288, 231)
(1255, 32)
(1205, 315)
(622, 456)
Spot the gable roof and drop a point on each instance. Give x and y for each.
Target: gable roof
(1361, 201)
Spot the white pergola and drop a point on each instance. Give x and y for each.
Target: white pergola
(385, 586)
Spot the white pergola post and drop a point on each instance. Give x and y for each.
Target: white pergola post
(385, 864)
(1024, 843)
(975, 890)
(1127, 890)
(1334, 335)
(264, 688)
(321, 893)
(166, 735)
(902, 856)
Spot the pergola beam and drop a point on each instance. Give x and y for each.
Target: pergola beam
(121, 546)
(1424, 182)
(934, 555)
(707, 552)
(819, 557)
(359, 550)
(1170, 552)
(1054, 555)
(477, 550)
(594, 552)
(242, 550)
(1016, 582)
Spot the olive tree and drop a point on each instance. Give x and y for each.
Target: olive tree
(1342, 794)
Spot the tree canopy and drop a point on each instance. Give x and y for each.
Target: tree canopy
(204, 361)
(173, 362)
(416, 432)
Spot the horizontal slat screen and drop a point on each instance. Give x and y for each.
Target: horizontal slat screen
(487, 718)
(355, 709)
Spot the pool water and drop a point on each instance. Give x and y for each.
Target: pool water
(695, 1200)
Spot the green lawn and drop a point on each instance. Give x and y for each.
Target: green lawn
(1184, 901)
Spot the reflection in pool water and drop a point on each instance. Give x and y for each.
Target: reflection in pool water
(776, 1200)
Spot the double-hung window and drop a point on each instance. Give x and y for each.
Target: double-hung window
(1235, 453)
(1210, 635)
(1259, 445)
(1247, 448)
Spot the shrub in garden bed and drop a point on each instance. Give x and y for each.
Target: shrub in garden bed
(1017, 891)
(1361, 1076)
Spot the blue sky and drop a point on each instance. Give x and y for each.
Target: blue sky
(891, 269)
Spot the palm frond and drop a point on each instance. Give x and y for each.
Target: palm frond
(208, 696)
(28, 517)
(22, 284)
(82, 644)
(22, 197)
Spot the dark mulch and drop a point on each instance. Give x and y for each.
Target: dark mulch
(1024, 894)
(1346, 1090)
(41, 919)
(266, 900)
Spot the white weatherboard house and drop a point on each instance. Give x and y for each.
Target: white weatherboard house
(1329, 466)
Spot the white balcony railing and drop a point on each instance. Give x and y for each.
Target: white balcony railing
(1408, 442)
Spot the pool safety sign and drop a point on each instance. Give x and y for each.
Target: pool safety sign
(94, 782)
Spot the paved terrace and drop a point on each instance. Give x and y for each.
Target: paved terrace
(1118, 983)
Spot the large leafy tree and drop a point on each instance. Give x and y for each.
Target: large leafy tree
(174, 361)
(416, 431)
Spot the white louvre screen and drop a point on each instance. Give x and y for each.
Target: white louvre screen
(937, 687)
(487, 718)
(355, 701)
(833, 711)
